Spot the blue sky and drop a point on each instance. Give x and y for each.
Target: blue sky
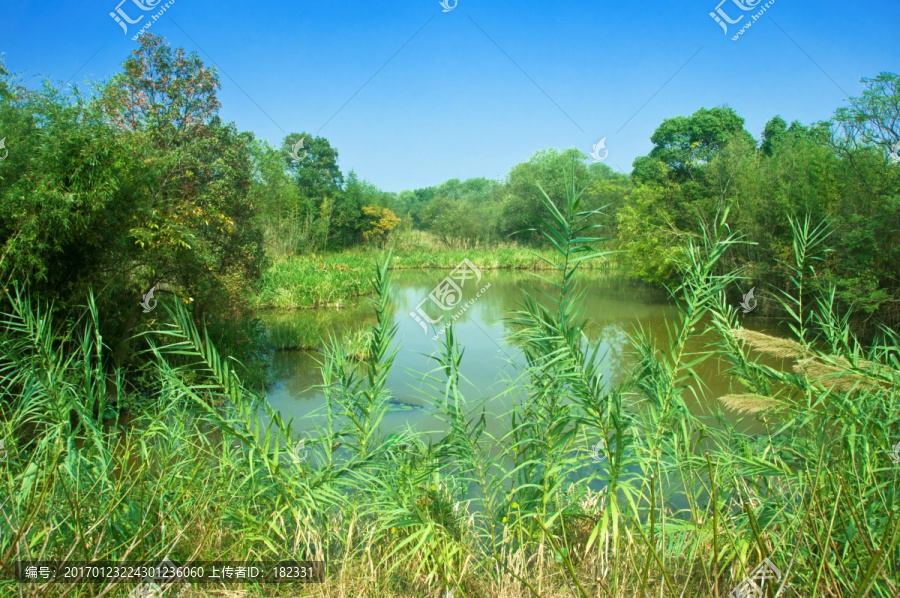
(473, 91)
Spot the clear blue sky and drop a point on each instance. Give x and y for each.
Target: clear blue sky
(452, 103)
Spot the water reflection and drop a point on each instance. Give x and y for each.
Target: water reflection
(613, 308)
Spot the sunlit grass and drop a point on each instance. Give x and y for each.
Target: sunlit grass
(333, 279)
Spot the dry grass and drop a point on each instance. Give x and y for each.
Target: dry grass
(777, 347)
(748, 402)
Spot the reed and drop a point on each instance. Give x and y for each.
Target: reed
(594, 489)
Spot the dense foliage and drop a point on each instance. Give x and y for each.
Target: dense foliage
(687, 505)
(840, 172)
(140, 186)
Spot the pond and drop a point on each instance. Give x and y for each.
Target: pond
(614, 309)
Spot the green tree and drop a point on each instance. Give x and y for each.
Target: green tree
(313, 165)
(684, 143)
(547, 170)
(606, 192)
(191, 224)
(772, 133)
(316, 172)
(143, 186)
(463, 211)
(348, 208)
(378, 224)
(280, 208)
(874, 117)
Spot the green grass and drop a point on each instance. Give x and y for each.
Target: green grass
(332, 279)
(313, 281)
(679, 505)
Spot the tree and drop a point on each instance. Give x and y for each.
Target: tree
(348, 208)
(463, 211)
(606, 192)
(311, 163)
(647, 234)
(873, 118)
(773, 132)
(280, 207)
(142, 187)
(379, 222)
(316, 173)
(685, 143)
(547, 169)
(58, 199)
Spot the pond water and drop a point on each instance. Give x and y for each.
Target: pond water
(490, 363)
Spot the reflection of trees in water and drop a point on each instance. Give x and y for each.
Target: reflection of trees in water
(622, 290)
(308, 328)
(613, 310)
(494, 303)
(296, 367)
(419, 278)
(613, 306)
(613, 342)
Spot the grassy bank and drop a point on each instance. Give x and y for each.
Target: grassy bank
(331, 279)
(615, 492)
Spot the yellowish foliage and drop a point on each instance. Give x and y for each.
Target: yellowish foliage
(382, 222)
